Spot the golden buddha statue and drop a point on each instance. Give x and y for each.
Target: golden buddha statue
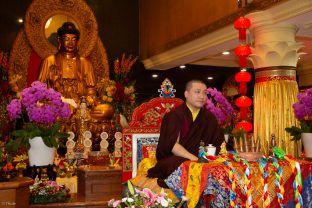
(73, 76)
(66, 71)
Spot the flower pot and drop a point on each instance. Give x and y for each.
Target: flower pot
(307, 143)
(39, 154)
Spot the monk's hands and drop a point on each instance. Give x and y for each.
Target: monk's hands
(180, 151)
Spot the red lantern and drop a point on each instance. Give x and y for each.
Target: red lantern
(242, 52)
(243, 103)
(247, 126)
(242, 78)
(242, 24)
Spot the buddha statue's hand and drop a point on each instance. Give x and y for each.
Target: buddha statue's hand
(53, 75)
(91, 97)
(69, 101)
(91, 101)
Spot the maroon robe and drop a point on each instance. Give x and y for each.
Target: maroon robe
(180, 121)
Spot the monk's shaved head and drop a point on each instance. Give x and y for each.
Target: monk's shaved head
(189, 84)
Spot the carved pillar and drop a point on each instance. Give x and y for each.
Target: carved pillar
(274, 57)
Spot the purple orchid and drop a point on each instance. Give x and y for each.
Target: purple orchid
(219, 105)
(303, 108)
(43, 105)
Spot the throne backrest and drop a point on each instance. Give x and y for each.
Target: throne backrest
(140, 139)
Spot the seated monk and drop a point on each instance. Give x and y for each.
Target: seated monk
(182, 131)
(66, 71)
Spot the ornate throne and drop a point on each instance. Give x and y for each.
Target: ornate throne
(140, 139)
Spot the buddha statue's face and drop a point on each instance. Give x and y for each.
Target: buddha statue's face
(69, 42)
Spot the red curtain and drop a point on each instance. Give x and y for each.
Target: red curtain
(33, 68)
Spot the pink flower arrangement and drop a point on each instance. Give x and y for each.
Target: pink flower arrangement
(142, 198)
(42, 192)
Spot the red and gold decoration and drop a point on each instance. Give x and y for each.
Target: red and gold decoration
(247, 126)
(243, 102)
(241, 24)
(243, 77)
(146, 120)
(242, 51)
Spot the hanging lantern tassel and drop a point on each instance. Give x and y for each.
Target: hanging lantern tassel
(242, 34)
(242, 61)
(243, 113)
(241, 24)
(243, 88)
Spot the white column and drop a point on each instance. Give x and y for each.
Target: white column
(274, 57)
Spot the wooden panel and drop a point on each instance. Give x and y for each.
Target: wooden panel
(164, 21)
(99, 183)
(15, 194)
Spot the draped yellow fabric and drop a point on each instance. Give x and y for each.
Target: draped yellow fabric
(273, 112)
(146, 164)
(142, 181)
(193, 185)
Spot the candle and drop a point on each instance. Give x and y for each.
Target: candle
(252, 144)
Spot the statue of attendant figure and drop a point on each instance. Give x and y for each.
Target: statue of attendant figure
(66, 71)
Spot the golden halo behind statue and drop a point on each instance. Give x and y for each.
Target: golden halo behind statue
(40, 11)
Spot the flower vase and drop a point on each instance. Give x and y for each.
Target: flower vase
(40, 154)
(226, 137)
(307, 144)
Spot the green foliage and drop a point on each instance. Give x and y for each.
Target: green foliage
(239, 134)
(50, 136)
(295, 132)
(228, 129)
(130, 187)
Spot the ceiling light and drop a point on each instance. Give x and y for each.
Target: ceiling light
(154, 75)
(20, 20)
(182, 67)
(225, 53)
(210, 78)
(299, 58)
(243, 69)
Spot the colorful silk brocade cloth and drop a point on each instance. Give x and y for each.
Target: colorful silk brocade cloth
(193, 180)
